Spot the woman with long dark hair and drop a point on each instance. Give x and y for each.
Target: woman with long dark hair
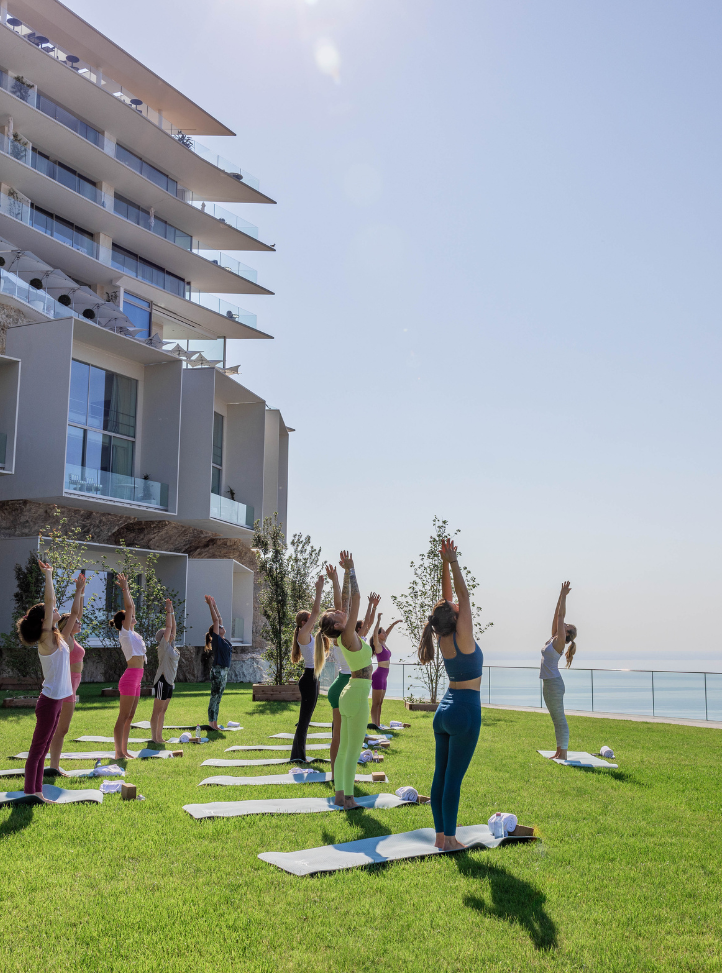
(77, 654)
(457, 720)
(164, 682)
(563, 634)
(381, 672)
(39, 626)
(303, 649)
(133, 648)
(221, 652)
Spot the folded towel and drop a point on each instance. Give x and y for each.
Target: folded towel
(366, 755)
(108, 770)
(501, 823)
(408, 794)
(184, 738)
(396, 725)
(606, 752)
(232, 723)
(111, 786)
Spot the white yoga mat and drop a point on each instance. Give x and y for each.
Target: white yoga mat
(578, 758)
(145, 725)
(110, 740)
(102, 755)
(320, 724)
(306, 777)
(311, 746)
(374, 851)
(53, 794)
(289, 805)
(309, 736)
(266, 762)
(20, 772)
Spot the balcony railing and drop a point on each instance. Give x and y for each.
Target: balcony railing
(14, 286)
(119, 91)
(220, 306)
(221, 259)
(237, 626)
(115, 486)
(231, 511)
(4, 449)
(224, 216)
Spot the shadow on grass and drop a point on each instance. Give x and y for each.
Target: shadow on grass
(20, 817)
(512, 899)
(271, 709)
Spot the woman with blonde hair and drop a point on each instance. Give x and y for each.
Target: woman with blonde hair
(133, 648)
(76, 656)
(39, 626)
(314, 659)
(563, 634)
(457, 720)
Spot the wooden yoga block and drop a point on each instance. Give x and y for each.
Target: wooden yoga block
(378, 776)
(177, 753)
(128, 792)
(423, 800)
(377, 758)
(521, 831)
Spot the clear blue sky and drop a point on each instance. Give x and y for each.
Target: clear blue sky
(498, 290)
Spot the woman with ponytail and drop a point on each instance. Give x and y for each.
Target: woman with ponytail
(39, 626)
(314, 660)
(457, 720)
(563, 634)
(381, 672)
(77, 654)
(133, 646)
(341, 667)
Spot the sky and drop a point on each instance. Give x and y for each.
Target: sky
(497, 292)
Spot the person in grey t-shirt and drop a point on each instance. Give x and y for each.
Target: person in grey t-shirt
(164, 682)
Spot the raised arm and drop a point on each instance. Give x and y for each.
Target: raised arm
(49, 599)
(464, 622)
(346, 590)
(560, 632)
(304, 633)
(556, 613)
(76, 611)
(349, 637)
(447, 591)
(390, 628)
(169, 633)
(215, 617)
(377, 628)
(128, 603)
(332, 574)
(368, 621)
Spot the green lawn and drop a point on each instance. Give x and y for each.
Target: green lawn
(626, 875)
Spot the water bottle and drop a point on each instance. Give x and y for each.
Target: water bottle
(198, 734)
(497, 825)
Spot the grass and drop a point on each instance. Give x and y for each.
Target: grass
(626, 875)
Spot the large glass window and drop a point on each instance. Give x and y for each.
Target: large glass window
(63, 230)
(64, 175)
(101, 403)
(130, 263)
(217, 468)
(139, 312)
(134, 161)
(62, 115)
(136, 214)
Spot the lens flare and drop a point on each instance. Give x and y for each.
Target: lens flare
(328, 59)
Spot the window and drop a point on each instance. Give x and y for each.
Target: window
(101, 420)
(139, 312)
(66, 118)
(130, 263)
(136, 214)
(64, 175)
(135, 162)
(63, 230)
(216, 469)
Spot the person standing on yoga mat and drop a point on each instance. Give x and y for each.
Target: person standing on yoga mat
(457, 720)
(354, 700)
(314, 661)
(381, 672)
(343, 672)
(39, 626)
(133, 648)
(222, 651)
(563, 634)
(164, 682)
(363, 628)
(77, 654)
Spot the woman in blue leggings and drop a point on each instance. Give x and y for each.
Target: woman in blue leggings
(458, 719)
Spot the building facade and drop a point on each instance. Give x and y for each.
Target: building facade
(117, 300)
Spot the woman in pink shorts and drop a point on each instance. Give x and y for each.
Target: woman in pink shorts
(381, 672)
(77, 653)
(133, 648)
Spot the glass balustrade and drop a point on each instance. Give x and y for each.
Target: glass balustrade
(231, 511)
(224, 216)
(220, 306)
(14, 286)
(237, 626)
(228, 263)
(3, 448)
(115, 486)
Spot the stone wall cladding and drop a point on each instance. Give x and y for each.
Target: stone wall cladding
(26, 518)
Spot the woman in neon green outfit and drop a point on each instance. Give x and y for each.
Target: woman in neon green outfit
(354, 701)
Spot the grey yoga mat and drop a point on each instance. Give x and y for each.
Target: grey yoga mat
(321, 724)
(311, 746)
(286, 805)
(48, 774)
(110, 740)
(309, 736)
(578, 758)
(145, 725)
(305, 777)
(376, 851)
(266, 762)
(102, 755)
(56, 794)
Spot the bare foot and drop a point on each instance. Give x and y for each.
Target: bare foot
(351, 805)
(562, 754)
(158, 742)
(451, 844)
(128, 756)
(41, 797)
(214, 726)
(339, 799)
(439, 840)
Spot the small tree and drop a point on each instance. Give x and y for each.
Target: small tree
(423, 593)
(269, 544)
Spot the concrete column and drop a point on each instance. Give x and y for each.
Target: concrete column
(106, 244)
(108, 195)
(3, 11)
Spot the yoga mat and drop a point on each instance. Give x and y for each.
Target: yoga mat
(102, 755)
(309, 736)
(286, 805)
(578, 758)
(49, 774)
(110, 740)
(320, 724)
(145, 725)
(374, 851)
(311, 746)
(266, 762)
(307, 777)
(53, 794)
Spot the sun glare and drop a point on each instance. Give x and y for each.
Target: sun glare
(328, 59)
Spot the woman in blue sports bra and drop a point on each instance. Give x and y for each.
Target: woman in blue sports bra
(458, 719)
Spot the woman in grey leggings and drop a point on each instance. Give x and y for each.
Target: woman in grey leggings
(552, 682)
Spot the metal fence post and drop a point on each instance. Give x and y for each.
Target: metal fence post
(490, 685)
(403, 681)
(592, 672)
(705, 697)
(653, 692)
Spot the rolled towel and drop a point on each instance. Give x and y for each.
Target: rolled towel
(396, 725)
(408, 794)
(606, 752)
(366, 755)
(232, 723)
(111, 786)
(507, 821)
(108, 770)
(184, 738)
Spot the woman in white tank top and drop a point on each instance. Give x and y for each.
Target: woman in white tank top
(308, 685)
(552, 682)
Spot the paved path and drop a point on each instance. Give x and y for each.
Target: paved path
(709, 724)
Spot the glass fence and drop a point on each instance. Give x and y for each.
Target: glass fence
(217, 304)
(14, 286)
(228, 263)
(115, 486)
(237, 629)
(224, 216)
(231, 511)
(3, 448)
(684, 695)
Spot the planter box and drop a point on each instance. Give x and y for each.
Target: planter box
(20, 701)
(21, 682)
(290, 693)
(422, 707)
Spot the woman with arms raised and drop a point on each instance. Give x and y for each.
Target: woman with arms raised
(457, 721)
(354, 700)
(343, 672)
(552, 682)
(133, 648)
(77, 654)
(164, 682)
(381, 672)
(39, 626)
(303, 650)
(221, 654)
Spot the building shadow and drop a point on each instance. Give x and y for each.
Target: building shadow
(510, 898)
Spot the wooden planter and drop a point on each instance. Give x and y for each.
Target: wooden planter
(21, 682)
(290, 693)
(422, 707)
(27, 702)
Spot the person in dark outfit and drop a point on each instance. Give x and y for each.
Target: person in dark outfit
(221, 650)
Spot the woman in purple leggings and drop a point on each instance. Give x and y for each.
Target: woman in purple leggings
(381, 673)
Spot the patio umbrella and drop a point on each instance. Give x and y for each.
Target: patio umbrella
(176, 350)
(25, 264)
(84, 302)
(155, 341)
(108, 313)
(58, 285)
(232, 370)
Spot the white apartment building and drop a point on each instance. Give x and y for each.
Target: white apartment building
(117, 297)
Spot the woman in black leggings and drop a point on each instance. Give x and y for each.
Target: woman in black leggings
(303, 649)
